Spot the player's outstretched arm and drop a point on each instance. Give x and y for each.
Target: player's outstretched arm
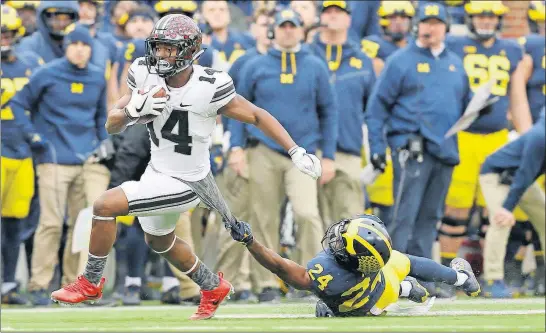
(242, 110)
(290, 272)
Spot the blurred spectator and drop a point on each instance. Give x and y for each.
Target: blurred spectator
(138, 26)
(288, 73)
(27, 12)
(233, 182)
(308, 12)
(53, 18)
(118, 18)
(395, 21)
(534, 45)
(366, 21)
(230, 44)
(352, 77)
(406, 105)
(17, 170)
(185, 7)
(485, 55)
(455, 9)
(507, 178)
(68, 101)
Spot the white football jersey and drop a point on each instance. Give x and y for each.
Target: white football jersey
(181, 135)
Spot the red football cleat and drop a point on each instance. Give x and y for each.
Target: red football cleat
(211, 299)
(77, 292)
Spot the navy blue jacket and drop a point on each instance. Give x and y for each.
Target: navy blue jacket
(535, 46)
(417, 93)
(68, 108)
(364, 19)
(294, 88)
(14, 76)
(352, 79)
(523, 156)
(238, 128)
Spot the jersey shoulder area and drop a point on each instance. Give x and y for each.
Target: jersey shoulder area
(138, 73)
(216, 86)
(327, 276)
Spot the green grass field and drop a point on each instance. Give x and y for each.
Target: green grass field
(521, 315)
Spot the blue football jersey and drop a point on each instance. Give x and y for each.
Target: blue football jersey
(14, 77)
(535, 46)
(377, 47)
(482, 64)
(346, 293)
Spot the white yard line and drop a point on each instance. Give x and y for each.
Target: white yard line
(276, 328)
(530, 301)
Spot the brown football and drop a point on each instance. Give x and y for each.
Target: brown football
(161, 93)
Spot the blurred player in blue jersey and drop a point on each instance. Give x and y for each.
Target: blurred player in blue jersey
(17, 169)
(26, 10)
(534, 45)
(358, 273)
(485, 57)
(229, 43)
(395, 21)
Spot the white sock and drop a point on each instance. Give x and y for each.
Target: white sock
(8, 286)
(169, 282)
(461, 279)
(133, 281)
(405, 287)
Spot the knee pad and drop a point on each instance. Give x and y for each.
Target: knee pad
(103, 218)
(453, 223)
(163, 251)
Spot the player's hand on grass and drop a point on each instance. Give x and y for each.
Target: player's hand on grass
(504, 217)
(322, 310)
(242, 233)
(309, 164)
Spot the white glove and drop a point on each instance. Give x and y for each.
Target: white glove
(146, 104)
(309, 164)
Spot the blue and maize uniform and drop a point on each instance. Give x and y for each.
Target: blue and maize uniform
(17, 170)
(535, 46)
(375, 46)
(132, 49)
(380, 192)
(352, 294)
(489, 132)
(235, 46)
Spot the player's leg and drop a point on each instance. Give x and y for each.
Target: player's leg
(460, 197)
(160, 237)
(459, 273)
(88, 286)
(17, 191)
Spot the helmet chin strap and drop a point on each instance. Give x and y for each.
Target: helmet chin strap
(194, 59)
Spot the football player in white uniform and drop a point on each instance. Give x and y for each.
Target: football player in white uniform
(178, 176)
